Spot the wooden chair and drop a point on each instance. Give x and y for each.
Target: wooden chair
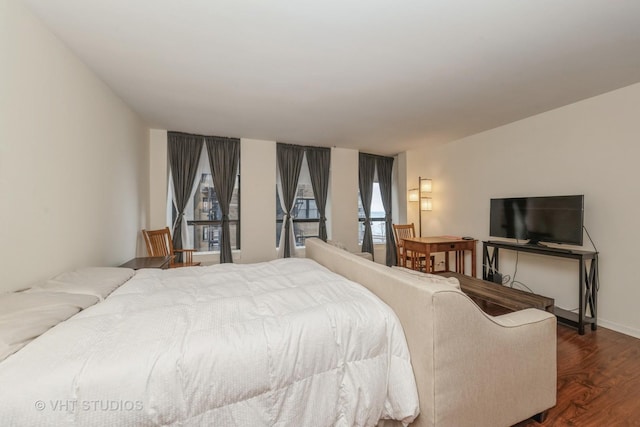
(405, 257)
(159, 243)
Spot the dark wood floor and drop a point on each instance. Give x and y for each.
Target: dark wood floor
(598, 380)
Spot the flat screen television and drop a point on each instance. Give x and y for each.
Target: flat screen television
(554, 219)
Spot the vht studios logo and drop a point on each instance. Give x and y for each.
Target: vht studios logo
(89, 405)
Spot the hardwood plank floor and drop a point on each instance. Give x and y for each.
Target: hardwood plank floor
(598, 380)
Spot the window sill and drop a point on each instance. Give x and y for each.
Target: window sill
(213, 257)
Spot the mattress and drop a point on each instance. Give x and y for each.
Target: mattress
(281, 343)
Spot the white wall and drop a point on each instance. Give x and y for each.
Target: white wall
(73, 159)
(590, 147)
(342, 209)
(258, 200)
(158, 179)
(401, 189)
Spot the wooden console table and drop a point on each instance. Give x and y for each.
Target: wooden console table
(503, 296)
(425, 246)
(587, 282)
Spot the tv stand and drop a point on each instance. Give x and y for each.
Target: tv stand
(588, 278)
(543, 246)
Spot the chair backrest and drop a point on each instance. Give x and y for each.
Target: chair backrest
(158, 242)
(403, 231)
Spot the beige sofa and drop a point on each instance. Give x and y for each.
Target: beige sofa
(471, 369)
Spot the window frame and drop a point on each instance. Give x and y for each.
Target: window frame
(202, 222)
(295, 219)
(372, 219)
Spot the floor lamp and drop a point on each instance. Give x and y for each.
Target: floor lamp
(421, 195)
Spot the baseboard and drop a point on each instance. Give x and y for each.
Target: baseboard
(619, 328)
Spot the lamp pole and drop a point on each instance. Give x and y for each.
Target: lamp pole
(420, 206)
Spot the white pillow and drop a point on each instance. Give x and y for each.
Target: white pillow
(24, 316)
(451, 281)
(97, 281)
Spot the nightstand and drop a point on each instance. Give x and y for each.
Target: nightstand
(148, 262)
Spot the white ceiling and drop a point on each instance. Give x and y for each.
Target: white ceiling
(378, 75)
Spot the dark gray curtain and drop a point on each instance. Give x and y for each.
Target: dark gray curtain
(224, 154)
(289, 163)
(366, 174)
(184, 154)
(385, 170)
(319, 161)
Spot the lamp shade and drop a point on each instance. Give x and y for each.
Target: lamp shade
(425, 185)
(426, 205)
(413, 195)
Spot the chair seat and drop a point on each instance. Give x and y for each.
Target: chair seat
(408, 262)
(184, 264)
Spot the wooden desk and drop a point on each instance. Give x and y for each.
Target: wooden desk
(425, 246)
(148, 262)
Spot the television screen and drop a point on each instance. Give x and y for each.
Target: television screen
(555, 219)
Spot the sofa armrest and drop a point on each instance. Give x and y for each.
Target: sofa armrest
(522, 317)
(501, 370)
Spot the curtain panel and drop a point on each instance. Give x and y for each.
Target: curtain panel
(319, 162)
(366, 175)
(385, 171)
(184, 154)
(289, 159)
(224, 156)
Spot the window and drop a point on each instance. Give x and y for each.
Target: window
(203, 213)
(377, 216)
(306, 218)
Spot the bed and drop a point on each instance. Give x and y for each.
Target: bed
(286, 343)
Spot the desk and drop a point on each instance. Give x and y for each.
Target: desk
(425, 246)
(148, 262)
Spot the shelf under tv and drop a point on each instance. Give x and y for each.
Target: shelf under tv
(572, 318)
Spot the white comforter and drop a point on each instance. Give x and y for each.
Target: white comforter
(283, 343)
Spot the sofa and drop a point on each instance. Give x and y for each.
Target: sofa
(471, 369)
